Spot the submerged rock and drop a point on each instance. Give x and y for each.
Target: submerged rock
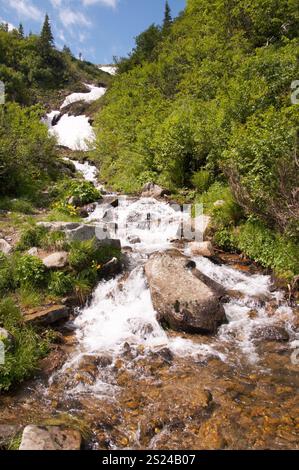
(271, 333)
(134, 240)
(50, 438)
(184, 298)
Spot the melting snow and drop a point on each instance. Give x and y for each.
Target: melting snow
(94, 94)
(111, 69)
(73, 132)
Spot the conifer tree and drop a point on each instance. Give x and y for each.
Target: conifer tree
(21, 31)
(46, 38)
(167, 17)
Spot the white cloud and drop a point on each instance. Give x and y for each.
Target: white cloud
(70, 17)
(56, 3)
(11, 27)
(25, 8)
(107, 3)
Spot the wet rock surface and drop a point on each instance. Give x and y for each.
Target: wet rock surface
(183, 299)
(136, 386)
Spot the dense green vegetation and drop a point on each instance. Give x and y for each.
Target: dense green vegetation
(33, 70)
(204, 105)
(34, 179)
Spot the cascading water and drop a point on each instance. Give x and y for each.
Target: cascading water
(137, 385)
(121, 311)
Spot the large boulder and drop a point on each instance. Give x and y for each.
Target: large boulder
(50, 438)
(153, 190)
(5, 247)
(56, 260)
(184, 298)
(47, 316)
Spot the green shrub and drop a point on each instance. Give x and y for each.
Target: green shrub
(201, 180)
(30, 272)
(82, 254)
(32, 237)
(269, 248)
(30, 297)
(228, 213)
(86, 255)
(65, 208)
(6, 274)
(54, 240)
(83, 192)
(17, 205)
(60, 284)
(225, 239)
(21, 359)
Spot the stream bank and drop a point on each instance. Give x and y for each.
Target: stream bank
(136, 385)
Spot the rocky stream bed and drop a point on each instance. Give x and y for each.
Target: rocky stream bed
(133, 384)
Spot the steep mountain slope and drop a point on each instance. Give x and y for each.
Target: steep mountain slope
(204, 109)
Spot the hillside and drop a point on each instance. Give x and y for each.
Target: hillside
(202, 106)
(35, 74)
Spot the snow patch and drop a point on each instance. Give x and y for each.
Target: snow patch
(94, 94)
(111, 69)
(74, 132)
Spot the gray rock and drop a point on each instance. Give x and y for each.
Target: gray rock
(111, 268)
(86, 210)
(271, 333)
(153, 190)
(134, 240)
(111, 201)
(81, 233)
(109, 242)
(47, 316)
(33, 251)
(5, 247)
(109, 215)
(59, 226)
(56, 260)
(50, 438)
(183, 297)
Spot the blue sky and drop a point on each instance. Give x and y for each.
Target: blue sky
(99, 29)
